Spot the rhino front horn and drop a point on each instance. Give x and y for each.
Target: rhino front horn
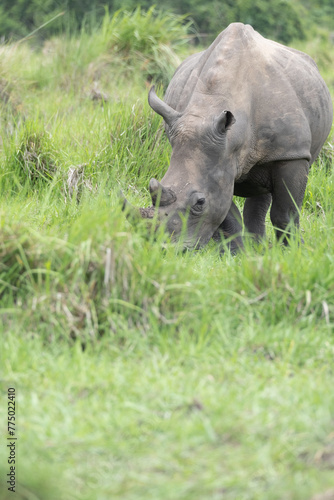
(161, 195)
(133, 214)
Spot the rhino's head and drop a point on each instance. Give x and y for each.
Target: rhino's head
(196, 193)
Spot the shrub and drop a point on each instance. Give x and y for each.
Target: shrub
(151, 37)
(36, 158)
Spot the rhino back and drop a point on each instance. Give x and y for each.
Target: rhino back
(282, 106)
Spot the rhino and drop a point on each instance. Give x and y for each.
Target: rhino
(246, 117)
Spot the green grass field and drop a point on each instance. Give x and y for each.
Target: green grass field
(141, 372)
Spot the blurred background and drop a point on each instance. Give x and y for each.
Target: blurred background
(282, 20)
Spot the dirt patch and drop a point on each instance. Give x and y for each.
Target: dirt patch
(326, 495)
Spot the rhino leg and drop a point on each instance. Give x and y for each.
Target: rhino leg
(255, 211)
(289, 182)
(231, 229)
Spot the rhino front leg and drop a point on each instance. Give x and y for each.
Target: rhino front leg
(255, 211)
(289, 179)
(231, 229)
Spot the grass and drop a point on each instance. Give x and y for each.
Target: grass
(142, 372)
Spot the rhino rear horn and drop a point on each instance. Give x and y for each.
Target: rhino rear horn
(161, 195)
(168, 114)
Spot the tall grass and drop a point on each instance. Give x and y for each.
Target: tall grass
(140, 44)
(67, 160)
(149, 37)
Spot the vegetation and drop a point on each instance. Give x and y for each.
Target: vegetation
(141, 372)
(279, 19)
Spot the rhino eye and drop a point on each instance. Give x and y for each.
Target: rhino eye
(201, 201)
(198, 206)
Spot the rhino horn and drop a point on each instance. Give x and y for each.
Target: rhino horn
(134, 214)
(161, 195)
(168, 114)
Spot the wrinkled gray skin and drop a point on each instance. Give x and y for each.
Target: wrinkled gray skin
(246, 117)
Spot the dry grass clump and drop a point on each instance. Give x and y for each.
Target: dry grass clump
(77, 180)
(96, 93)
(37, 158)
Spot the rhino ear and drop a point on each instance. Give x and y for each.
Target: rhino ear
(225, 121)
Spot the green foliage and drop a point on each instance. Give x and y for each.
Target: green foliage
(148, 41)
(320, 12)
(141, 31)
(18, 18)
(142, 372)
(278, 19)
(151, 37)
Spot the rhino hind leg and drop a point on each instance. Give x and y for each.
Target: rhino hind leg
(231, 229)
(289, 183)
(255, 211)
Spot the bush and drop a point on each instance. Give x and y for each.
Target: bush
(151, 37)
(279, 19)
(276, 19)
(36, 158)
